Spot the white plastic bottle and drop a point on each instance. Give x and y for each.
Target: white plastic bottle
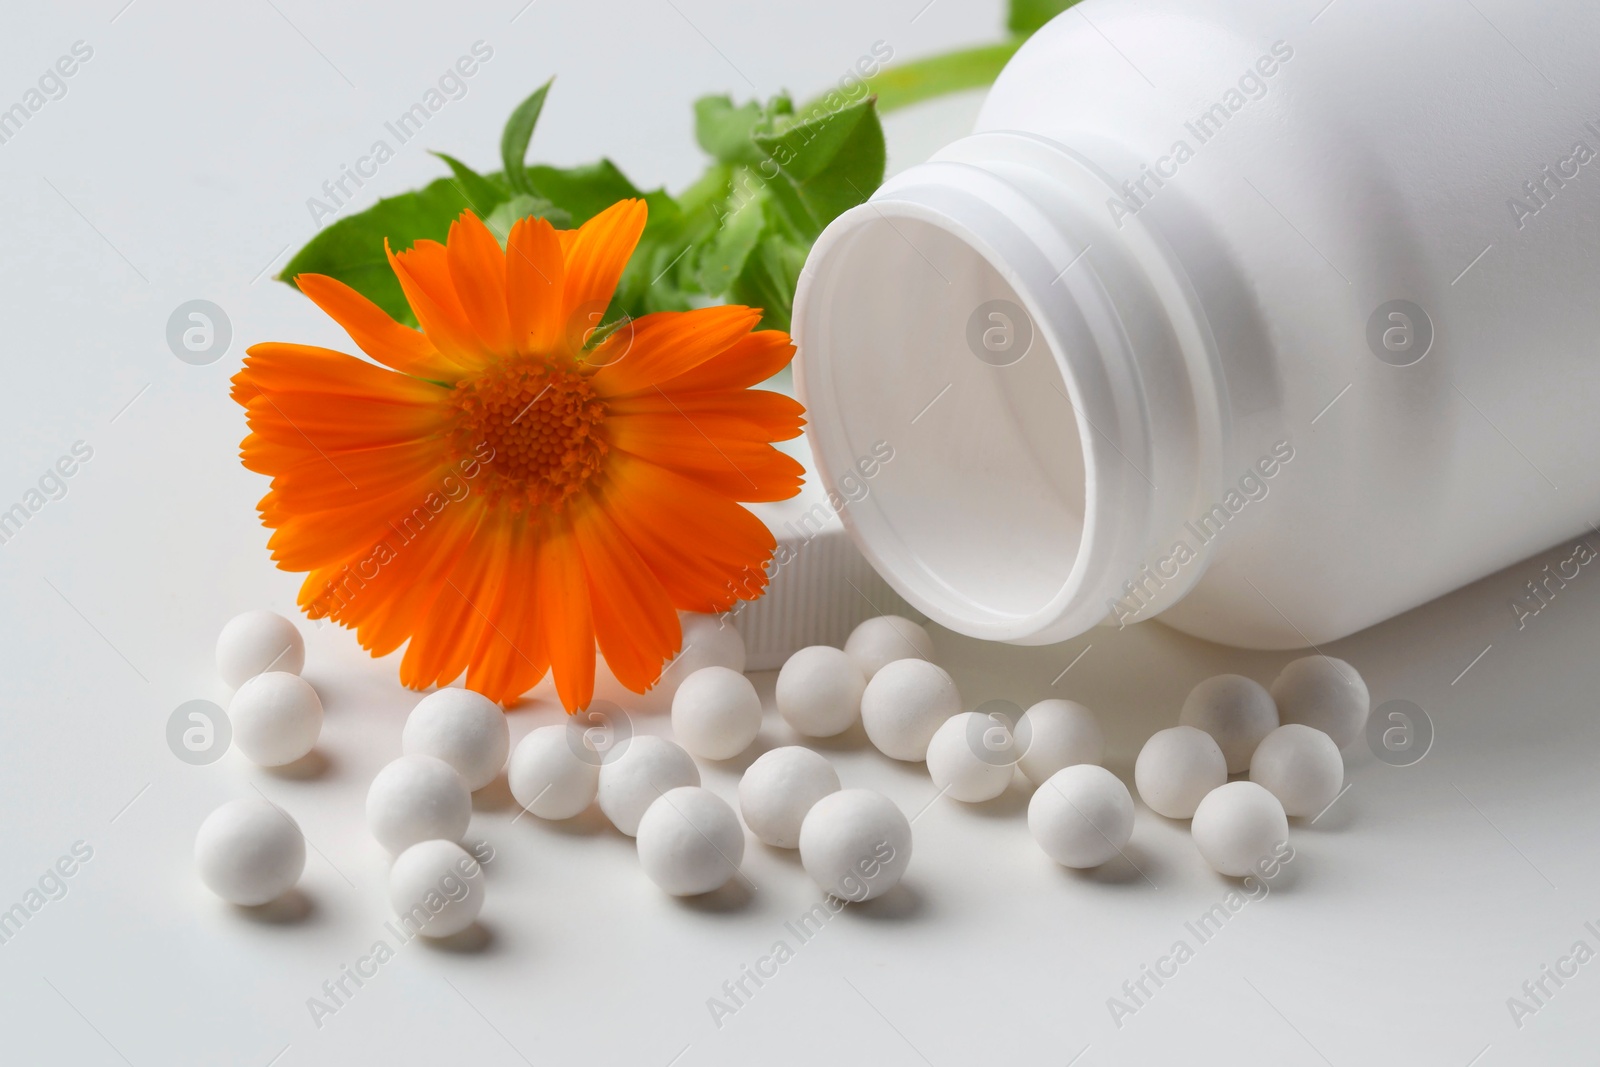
(1271, 320)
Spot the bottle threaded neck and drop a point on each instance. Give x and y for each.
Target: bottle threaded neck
(1014, 354)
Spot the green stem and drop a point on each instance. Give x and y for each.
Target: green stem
(951, 72)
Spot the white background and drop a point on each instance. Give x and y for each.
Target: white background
(177, 167)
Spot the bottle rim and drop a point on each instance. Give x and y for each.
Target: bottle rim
(1023, 508)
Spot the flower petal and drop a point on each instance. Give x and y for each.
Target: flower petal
(375, 333)
(665, 344)
(445, 635)
(536, 276)
(749, 361)
(745, 469)
(424, 276)
(706, 550)
(272, 367)
(596, 254)
(510, 658)
(748, 414)
(478, 273)
(385, 591)
(563, 601)
(442, 642)
(634, 620)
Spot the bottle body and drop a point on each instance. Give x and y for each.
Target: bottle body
(1308, 319)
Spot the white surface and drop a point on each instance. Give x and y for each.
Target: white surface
(1422, 900)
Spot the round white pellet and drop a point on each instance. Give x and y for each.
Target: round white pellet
(632, 778)
(1301, 767)
(465, 729)
(1236, 711)
(779, 788)
(855, 844)
(249, 851)
(437, 886)
(258, 641)
(276, 718)
(716, 713)
(880, 641)
(1325, 694)
(1238, 827)
(971, 756)
(417, 798)
(1176, 768)
(1081, 816)
(690, 841)
(549, 774)
(819, 691)
(1054, 734)
(904, 703)
(708, 641)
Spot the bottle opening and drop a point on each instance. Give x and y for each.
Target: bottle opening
(914, 346)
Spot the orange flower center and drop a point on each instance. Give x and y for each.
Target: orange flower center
(542, 420)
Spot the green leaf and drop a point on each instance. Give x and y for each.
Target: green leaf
(484, 194)
(1024, 17)
(834, 160)
(723, 258)
(724, 131)
(514, 141)
(502, 218)
(583, 191)
(769, 279)
(351, 249)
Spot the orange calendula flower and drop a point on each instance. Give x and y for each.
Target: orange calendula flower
(500, 493)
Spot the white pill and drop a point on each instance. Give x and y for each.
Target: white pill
(436, 888)
(276, 718)
(1236, 711)
(971, 756)
(1301, 767)
(417, 798)
(779, 788)
(552, 774)
(465, 729)
(708, 641)
(882, 640)
(638, 771)
(1176, 768)
(1081, 816)
(690, 841)
(819, 691)
(855, 844)
(249, 851)
(716, 713)
(1325, 694)
(1054, 734)
(258, 641)
(1238, 828)
(904, 703)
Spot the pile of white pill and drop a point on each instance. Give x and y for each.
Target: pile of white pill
(854, 843)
